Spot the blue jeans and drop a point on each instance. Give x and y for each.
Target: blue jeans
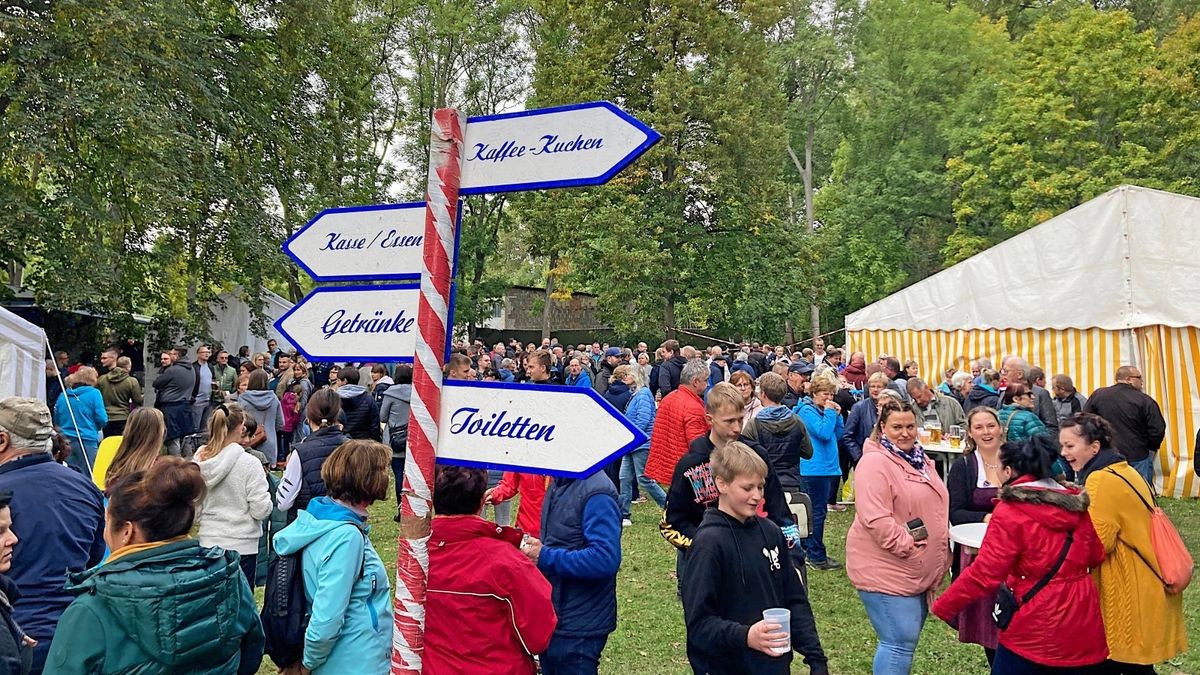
(1146, 468)
(818, 489)
(572, 656)
(897, 620)
(76, 459)
(633, 466)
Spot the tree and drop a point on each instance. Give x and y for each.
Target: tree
(1091, 105)
(924, 74)
(668, 241)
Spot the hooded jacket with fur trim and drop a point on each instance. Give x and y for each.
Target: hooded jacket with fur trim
(1024, 539)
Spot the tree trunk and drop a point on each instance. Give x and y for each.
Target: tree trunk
(549, 292)
(810, 221)
(669, 315)
(789, 334)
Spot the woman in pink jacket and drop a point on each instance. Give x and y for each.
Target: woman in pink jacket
(897, 550)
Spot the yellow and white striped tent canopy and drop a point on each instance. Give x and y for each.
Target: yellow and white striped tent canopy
(1113, 281)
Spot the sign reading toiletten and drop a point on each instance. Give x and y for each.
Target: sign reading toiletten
(557, 431)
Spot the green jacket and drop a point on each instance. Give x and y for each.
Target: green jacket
(119, 389)
(171, 609)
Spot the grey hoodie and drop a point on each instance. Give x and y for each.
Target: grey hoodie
(265, 409)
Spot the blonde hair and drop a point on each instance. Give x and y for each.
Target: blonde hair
(620, 372)
(141, 444)
(879, 377)
(736, 459)
(822, 384)
(85, 375)
(724, 396)
(221, 425)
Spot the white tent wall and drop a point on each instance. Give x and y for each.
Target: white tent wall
(231, 325)
(22, 357)
(1113, 281)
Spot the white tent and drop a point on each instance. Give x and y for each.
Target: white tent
(231, 326)
(22, 357)
(1113, 281)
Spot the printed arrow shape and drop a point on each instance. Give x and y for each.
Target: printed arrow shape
(566, 146)
(552, 430)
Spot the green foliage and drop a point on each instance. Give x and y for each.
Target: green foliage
(1092, 104)
(923, 75)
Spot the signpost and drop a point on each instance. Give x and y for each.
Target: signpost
(358, 243)
(559, 431)
(556, 431)
(566, 146)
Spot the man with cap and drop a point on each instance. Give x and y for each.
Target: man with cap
(798, 374)
(62, 511)
(612, 359)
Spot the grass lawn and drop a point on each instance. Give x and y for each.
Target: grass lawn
(650, 637)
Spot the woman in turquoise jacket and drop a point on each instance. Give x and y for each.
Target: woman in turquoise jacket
(823, 420)
(1017, 418)
(350, 630)
(80, 414)
(161, 603)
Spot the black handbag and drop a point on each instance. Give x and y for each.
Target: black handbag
(1007, 603)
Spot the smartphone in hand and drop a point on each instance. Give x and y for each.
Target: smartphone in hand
(916, 527)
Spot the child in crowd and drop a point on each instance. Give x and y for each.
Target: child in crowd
(737, 567)
(692, 488)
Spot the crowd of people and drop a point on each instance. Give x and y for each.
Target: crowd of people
(267, 456)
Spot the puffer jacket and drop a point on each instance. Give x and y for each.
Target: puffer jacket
(1019, 423)
(1024, 539)
(350, 629)
(641, 412)
(174, 607)
(680, 421)
(118, 390)
(483, 618)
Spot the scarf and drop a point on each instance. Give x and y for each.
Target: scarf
(915, 458)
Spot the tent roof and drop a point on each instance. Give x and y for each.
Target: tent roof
(1125, 259)
(18, 331)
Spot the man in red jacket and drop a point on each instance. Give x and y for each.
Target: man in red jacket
(679, 421)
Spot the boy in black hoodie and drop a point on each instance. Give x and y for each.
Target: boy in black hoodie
(737, 567)
(693, 489)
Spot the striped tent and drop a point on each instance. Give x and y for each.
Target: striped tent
(22, 357)
(1114, 281)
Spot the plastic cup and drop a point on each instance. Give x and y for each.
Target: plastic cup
(782, 618)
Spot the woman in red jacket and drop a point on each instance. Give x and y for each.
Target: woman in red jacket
(1035, 519)
(488, 608)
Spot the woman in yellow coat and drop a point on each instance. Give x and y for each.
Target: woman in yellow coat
(1143, 623)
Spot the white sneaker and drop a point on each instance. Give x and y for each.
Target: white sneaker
(625, 522)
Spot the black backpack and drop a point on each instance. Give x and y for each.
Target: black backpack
(286, 609)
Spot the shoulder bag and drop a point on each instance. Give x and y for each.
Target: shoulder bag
(1007, 603)
(1174, 560)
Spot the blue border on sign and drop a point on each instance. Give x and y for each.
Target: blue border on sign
(326, 358)
(405, 276)
(652, 137)
(639, 438)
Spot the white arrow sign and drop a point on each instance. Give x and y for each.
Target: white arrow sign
(355, 323)
(567, 146)
(557, 431)
(382, 242)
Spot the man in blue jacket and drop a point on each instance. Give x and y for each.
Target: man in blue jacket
(60, 515)
(580, 553)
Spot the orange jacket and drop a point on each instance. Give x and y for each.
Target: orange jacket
(532, 488)
(679, 421)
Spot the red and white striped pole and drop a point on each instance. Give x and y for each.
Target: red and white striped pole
(412, 563)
